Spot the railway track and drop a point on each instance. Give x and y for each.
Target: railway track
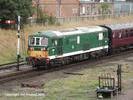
(14, 76)
(11, 65)
(25, 74)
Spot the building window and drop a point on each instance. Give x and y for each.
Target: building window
(75, 10)
(82, 10)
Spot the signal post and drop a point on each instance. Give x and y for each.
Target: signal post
(18, 43)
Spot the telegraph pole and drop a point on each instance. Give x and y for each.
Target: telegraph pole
(18, 44)
(119, 77)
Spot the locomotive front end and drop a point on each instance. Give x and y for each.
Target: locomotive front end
(37, 50)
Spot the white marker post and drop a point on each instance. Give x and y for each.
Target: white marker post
(18, 45)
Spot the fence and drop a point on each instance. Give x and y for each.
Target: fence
(92, 17)
(118, 9)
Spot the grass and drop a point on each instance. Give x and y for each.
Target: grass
(78, 87)
(7, 46)
(75, 88)
(8, 38)
(21, 98)
(82, 87)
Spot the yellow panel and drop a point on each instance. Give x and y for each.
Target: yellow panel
(38, 54)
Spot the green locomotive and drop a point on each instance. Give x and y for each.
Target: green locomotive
(63, 47)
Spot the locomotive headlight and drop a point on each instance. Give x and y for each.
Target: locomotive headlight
(53, 50)
(43, 49)
(31, 48)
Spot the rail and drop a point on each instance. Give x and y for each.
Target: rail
(11, 65)
(29, 72)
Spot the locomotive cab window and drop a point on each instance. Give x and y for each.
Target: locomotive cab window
(37, 41)
(44, 41)
(31, 41)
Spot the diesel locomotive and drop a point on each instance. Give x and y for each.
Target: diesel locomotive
(54, 48)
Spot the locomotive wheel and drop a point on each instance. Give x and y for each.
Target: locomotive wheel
(46, 67)
(38, 67)
(33, 63)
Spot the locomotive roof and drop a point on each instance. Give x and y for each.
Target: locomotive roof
(120, 26)
(73, 31)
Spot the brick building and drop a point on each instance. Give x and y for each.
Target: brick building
(71, 8)
(59, 8)
(88, 7)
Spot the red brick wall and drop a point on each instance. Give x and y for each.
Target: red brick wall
(68, 8)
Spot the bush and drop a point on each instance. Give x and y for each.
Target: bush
(45, 19)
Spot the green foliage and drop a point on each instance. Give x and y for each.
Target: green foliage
(51, 20)
(10, 9)
(104, 8)
(71, 88)
(44, 18)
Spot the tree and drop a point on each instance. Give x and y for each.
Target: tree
(10, 9)
(104, 8)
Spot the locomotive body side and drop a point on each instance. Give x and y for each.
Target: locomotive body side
(63, 47)
(82, 42)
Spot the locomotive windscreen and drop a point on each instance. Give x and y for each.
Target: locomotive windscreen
(38, 41)
(31, 41)
(44, 41)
